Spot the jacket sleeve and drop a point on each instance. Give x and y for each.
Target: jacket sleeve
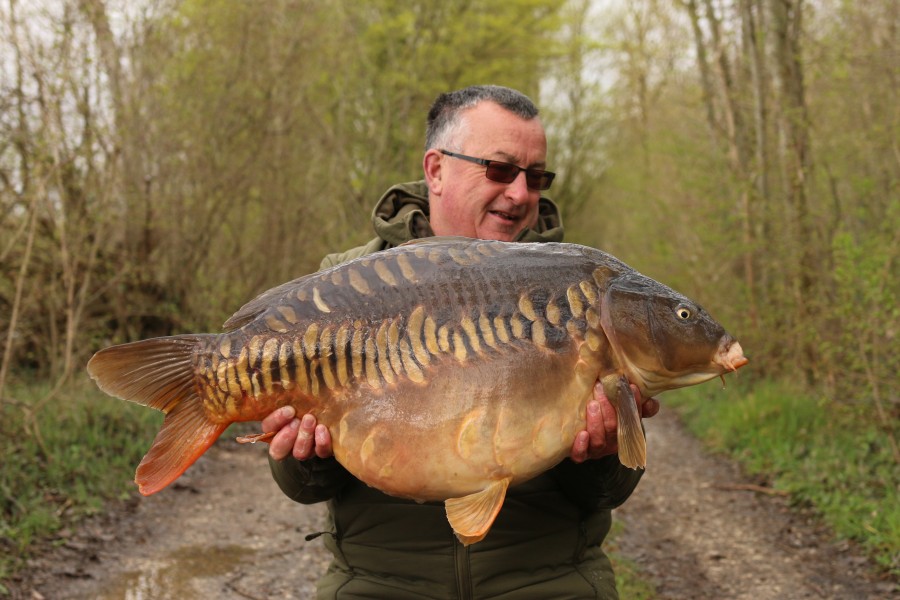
(309, 481)
(603, 483)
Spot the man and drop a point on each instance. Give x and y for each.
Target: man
(484, 163)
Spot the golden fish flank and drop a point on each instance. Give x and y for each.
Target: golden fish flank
(384, 273)
(487, 334)
(406, 268)
(326, 356)
(285, 360)
(424, 333)
(393, 344)
(415, 330)
(554, 316)
(589, 291)
(320, 304)
(372, 377)
(225, 347)
(502, 331)
(340, 343)
(576, 304)
(412, 369)
(267, 361)
(357, 345)
(383, 359)
(301, 376)
(527, 308)
(359, 283)
(431, 340)
(468, 326)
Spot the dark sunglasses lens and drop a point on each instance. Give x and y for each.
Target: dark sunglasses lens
(501, 172)
(539, 180)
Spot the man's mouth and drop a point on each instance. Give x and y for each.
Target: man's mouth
(504, 215)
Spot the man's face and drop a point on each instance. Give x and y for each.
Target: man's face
(466, 203)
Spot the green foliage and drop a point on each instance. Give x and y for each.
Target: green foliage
(835, 458)
(78, 451)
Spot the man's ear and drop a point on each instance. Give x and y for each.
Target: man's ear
(431, 164)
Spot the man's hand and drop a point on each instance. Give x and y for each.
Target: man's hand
(599, 437)
(301, 437)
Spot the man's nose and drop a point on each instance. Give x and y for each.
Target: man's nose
(518, 190)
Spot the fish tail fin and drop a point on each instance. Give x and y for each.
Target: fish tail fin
(159, 373)
(630, 435)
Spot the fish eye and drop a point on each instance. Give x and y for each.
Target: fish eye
(683, 313)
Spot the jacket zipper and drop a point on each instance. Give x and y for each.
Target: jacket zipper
(463, 571)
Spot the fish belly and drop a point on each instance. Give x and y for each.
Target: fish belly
(511, 416)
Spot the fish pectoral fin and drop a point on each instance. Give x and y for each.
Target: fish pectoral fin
(472, 516)
(630, 434)
(255, 437)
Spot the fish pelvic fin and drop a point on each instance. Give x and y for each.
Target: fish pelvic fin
(471, 516)
(159, 373)
(630, 435)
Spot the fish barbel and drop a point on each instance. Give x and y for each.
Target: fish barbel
(448, 369)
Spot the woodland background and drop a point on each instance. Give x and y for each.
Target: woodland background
(161, 162)
(164, 161)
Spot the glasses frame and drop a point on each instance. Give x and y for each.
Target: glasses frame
(542, 179)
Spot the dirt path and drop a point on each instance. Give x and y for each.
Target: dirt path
(225, 531)
(700, 534)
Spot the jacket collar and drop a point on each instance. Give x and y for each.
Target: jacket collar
(402, 215)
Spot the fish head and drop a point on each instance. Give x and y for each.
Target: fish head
(663, 340)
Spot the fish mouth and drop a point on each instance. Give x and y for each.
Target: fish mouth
(730, 356)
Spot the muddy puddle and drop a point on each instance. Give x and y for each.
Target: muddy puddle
(190, 572)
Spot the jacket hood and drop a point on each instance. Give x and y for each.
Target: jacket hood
(402, 215)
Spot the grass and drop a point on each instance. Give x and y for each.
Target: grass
(831, 456)
(80, 451)
(631, 583)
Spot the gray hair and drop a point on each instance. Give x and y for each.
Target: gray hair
(444, 115)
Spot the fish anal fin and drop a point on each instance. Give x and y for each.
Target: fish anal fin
(471, 516)
(186, 434)
(630, 434)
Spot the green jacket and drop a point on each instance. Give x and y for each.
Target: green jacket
(546, 540)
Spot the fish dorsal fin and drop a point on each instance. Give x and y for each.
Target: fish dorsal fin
(472, 516)
(258, 305)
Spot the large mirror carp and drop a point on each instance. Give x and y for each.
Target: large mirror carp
(445, 370)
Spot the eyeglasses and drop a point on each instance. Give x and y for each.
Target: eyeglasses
(502, 172)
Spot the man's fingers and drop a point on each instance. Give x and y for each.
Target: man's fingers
(323, 442)
(596, 423)
(303, 446)
(278, 419)
(650, 408)
(580, 447)
(647, 407)
(283, 442)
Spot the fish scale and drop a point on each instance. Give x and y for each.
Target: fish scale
(447, 369)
